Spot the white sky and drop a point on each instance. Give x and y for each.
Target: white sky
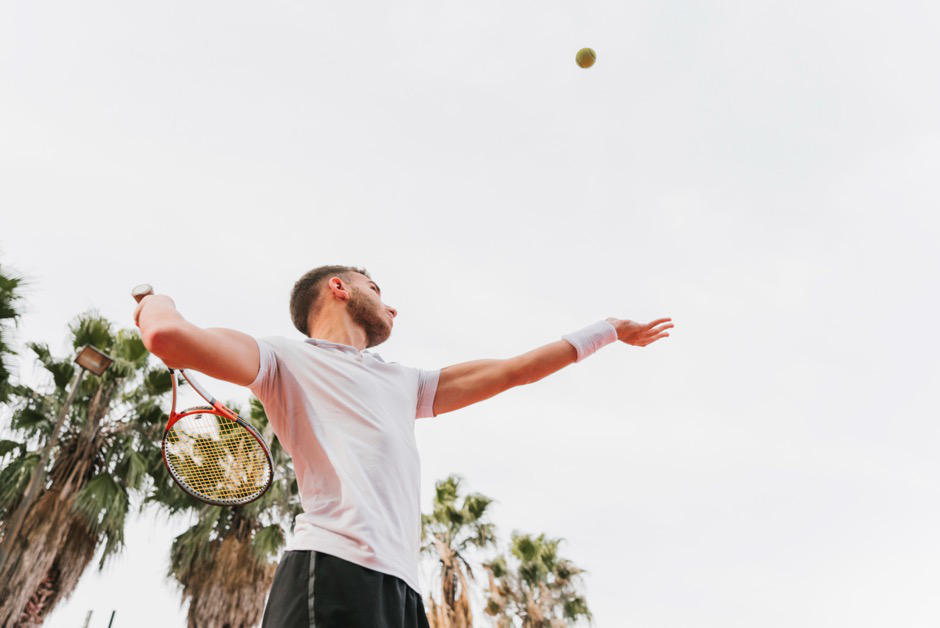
(765, 173)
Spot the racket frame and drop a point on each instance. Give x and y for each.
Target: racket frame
(218, 408)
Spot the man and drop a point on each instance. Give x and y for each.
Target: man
(346, 417)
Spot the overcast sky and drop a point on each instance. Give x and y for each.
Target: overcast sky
(765, 173)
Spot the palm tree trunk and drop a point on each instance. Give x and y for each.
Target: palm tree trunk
(33, 554)
(32, 615)
(455, 607)
(229, 590)
(44, 537)
(76, 553)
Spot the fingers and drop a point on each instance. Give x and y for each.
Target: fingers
(650, 339)
(640, 335)
(659, 329)
(137, 309)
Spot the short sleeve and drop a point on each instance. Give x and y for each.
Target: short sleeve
(267, 371)
(427, 388)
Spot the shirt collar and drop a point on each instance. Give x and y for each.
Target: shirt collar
(319, 342)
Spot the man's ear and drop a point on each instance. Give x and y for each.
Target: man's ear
(339, 289)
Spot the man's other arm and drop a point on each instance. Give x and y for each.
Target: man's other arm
(464, 384)
(224, 354)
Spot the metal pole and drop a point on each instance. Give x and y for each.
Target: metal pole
(9, 537)
(87, 619)
(112, 618)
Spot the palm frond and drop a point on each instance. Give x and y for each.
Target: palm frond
(535, 585)
(476, 504)
(10, 302)
(11, 285)
(129, 346)
(6, 446)
(61, 370)
(90, 328)
(132, 468)
(103, 504)
(14, 478)
(267, 542)
(33, 419)
(192, 547)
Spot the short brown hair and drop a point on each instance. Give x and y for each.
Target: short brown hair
(305, 297)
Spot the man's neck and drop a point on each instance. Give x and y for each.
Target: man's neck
(343, 332)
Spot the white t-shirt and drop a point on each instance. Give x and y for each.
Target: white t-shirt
(347, 420)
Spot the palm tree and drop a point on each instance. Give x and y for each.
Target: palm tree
(99, 462)
(539, 588)
(10, 297)
(225, 561)
(447, 533)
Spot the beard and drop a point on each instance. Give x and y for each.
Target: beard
(372, 319)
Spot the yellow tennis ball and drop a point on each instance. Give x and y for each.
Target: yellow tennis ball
(585, 57)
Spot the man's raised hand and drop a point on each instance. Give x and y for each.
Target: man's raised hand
(638, 334)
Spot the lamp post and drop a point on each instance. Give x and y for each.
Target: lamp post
(88, 359)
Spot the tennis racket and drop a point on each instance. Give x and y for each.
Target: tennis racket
(212, 453)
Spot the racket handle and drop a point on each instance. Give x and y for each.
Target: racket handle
(141, 291)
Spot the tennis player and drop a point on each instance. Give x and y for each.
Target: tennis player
(346, 417)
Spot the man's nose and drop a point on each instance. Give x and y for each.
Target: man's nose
(393, 312)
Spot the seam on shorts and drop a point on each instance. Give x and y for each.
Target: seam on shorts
(310, 605)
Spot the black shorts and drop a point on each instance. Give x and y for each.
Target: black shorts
(313, 589)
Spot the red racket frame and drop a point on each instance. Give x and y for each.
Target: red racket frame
(218, 409)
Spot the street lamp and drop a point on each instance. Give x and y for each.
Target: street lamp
(91, 359)
(88, 359)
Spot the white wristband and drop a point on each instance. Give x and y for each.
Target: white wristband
(588, 340)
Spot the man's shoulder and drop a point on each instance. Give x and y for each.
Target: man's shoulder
(280, 344)
(277, 339)
(298, 348)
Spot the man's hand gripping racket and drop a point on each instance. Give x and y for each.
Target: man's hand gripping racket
(212, 453)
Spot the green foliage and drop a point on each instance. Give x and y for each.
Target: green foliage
(60, 369)
(14, 477)
(103, 457)
(537, 556)
(267, 542)
(10, 285)
(6, 446)
(10, 303)
(263, 522)
(103, 504)
(191, 548)
(455, 524)
(34, 418)
(532, 586)
(458, 526)
(110, 433)
(535, 585)
(498, 567)
(92, 330)
(131, 467)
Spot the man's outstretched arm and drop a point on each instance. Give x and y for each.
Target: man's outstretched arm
(464, 384)
(224, 354)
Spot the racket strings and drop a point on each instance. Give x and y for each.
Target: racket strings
(216, 458)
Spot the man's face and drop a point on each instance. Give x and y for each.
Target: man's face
(367, 310)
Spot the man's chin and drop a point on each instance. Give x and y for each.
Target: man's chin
(376, 342)
(378, 339)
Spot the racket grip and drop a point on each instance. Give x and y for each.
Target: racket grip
(141, 291)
